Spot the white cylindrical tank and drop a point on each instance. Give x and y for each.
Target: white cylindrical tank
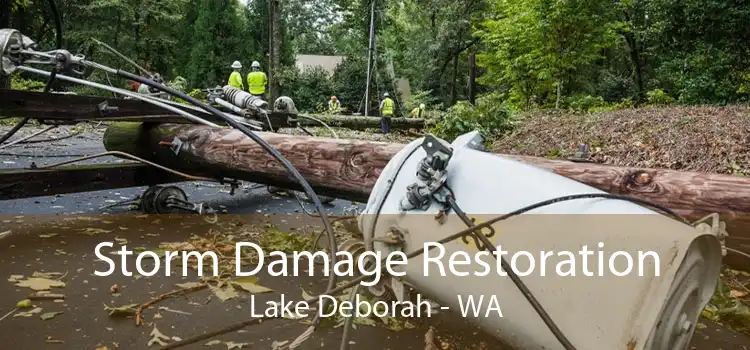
(594, 312)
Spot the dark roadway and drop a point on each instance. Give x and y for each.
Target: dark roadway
(44, 237)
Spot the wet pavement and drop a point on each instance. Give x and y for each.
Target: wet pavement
(59, 234)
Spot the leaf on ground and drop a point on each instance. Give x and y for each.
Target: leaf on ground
(248, 283)
(189, 285)
(306, 295)
(29, 313)
(157, 338)
(49, 315)
(101, 348)
(47, 274)
(224, 292)
(24, 304)
(48, 235)
(36, 283)
(232, 345)
(15, 278)
(212, 343)
(177, 246)
(90, 231)
(737, 294)
(51, 340)
(124, 310)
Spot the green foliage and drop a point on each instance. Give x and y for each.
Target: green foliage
(18, 83)
(659, 97)
(422, 96)
(726, 306)
(586, 102)
(490, 117)
(310, 89)
(178, 83)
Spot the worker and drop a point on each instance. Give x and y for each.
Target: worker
(334, 105)
(386, 112)
(257, 81)
(235, 79)
(417, 112)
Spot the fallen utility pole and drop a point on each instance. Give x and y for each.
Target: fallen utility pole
(362, 123)
(348, 169)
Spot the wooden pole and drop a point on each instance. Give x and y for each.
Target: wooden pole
(349, 169)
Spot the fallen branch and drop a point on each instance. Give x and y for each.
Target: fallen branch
(140, 308)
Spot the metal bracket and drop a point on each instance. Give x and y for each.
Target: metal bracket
(176, 146)
(716, 227)
(104, 108)
(431, 175)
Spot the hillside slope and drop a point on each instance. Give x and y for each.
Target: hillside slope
(708, 139)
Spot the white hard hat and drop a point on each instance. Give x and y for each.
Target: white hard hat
(385, 94)
(255, 64)
(421, 105)
(236, 64)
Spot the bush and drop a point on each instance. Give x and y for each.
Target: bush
(310, 89)
(658, 97)
(18, 83)
(584, 103)
(491, 117)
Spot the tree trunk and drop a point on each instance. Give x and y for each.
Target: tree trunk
(472, 77)
(454, 92)
(349, 168)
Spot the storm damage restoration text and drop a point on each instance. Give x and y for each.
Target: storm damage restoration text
(435, 262)
(280, 264)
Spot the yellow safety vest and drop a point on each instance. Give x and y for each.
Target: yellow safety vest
(417, 113)
(256, 82)
(235, 80)
(387, 107)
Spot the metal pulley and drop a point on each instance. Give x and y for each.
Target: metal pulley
(168, 200)
(11, 45)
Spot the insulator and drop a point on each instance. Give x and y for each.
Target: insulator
(243, 99)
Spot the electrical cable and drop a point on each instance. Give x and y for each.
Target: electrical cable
(22, 122)
(132, 157)
(321, 123)
(476, 231)
(122, 92)
(14, 129)
(21, 140)
(268, 148)
(468, 231)
(52, 139)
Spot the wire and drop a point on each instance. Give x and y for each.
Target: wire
(14, 129)
(319, 122)
(738, 252)
(122, 92)
(476, 231)
(132, 157)
(468, 231)
(21, 140)
(272, 151)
